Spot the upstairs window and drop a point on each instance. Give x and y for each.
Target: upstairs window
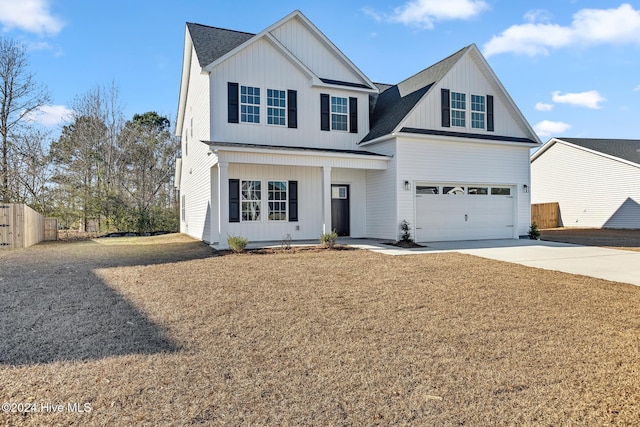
(458, 109)
(477, 111)
(249, 104)
(276, 107)
(339, 113)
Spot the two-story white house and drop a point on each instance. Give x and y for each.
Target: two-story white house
(283, 135)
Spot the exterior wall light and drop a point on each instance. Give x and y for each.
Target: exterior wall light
(407, 185)
(525, 188)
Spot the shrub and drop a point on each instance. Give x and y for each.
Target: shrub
(406, 231)
(534, 234)
(237, 243)
(329, 239)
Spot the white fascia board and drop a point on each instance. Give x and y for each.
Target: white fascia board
(319, 83)
(440, 138)
(289, 156)
(287, 53)
(184, 82)
(378, 140)
(544, 148)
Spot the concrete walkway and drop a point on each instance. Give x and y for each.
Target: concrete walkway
(609, 264)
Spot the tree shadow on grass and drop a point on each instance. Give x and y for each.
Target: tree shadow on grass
(55, 308)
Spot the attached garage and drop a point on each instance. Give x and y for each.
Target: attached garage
(446, 212)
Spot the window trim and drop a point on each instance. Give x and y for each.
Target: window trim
(453, 106)
(252, 105)
(259, 201)
(284, 109)
(285, 200)
(339, 114)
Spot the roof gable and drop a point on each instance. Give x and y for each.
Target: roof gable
(212, 43)
(627, 150)
(465, 70)
(215, 45)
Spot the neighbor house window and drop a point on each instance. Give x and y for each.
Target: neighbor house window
(249, 104)
(458, 109)
(477, 111)
(251, 198)
(277, 195)
(339, 113)
(276, 107)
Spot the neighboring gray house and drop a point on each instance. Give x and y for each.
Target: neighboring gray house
(283, 135)
(595, 181)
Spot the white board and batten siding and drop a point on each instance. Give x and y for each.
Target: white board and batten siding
(310, 211)
(263, 66)
(468, 76)
(422, 161)
(592, 190)
(382, 193)
(196, 164)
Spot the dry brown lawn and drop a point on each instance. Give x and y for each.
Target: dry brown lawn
(158, 331)
(616, 239)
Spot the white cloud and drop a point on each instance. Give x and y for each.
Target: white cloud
(539, 15)
(589, 27)
(424, 13)
(29, 15)
(637, 88)
(548, 128)
(50, 115)
(541, 106)
(589, 99)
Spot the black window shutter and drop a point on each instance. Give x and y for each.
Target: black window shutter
(490, 113)
(292, 108)
(325, 116)
(353, 115)
(446, 111)
(293, 201)
(234, 200)
(232, 102)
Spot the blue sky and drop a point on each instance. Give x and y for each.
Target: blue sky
(571, 66)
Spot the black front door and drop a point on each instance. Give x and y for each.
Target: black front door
(340, 209)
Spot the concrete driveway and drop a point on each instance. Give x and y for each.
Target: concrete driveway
(609, 264)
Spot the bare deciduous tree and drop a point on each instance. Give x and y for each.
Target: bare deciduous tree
(19, 96)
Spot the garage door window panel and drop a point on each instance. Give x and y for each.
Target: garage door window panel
(500, 191)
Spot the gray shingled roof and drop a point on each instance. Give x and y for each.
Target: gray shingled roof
(211, 43)
(390, 109)
(395, 102)
(626, 149)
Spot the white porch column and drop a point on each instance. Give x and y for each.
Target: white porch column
(223, 203)
(326, 199)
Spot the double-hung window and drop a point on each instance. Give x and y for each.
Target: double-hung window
(458, 109)
(251, 198)
(276, 107)
(477, 111)
(339, 113)
(249, 104)
(277, 200)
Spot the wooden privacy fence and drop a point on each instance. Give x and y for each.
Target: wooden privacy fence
(21, 227)
(545, 215)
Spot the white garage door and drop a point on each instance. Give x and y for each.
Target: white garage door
(463, 212)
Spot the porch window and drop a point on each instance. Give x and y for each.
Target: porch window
(251, 198)
(277, 200)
